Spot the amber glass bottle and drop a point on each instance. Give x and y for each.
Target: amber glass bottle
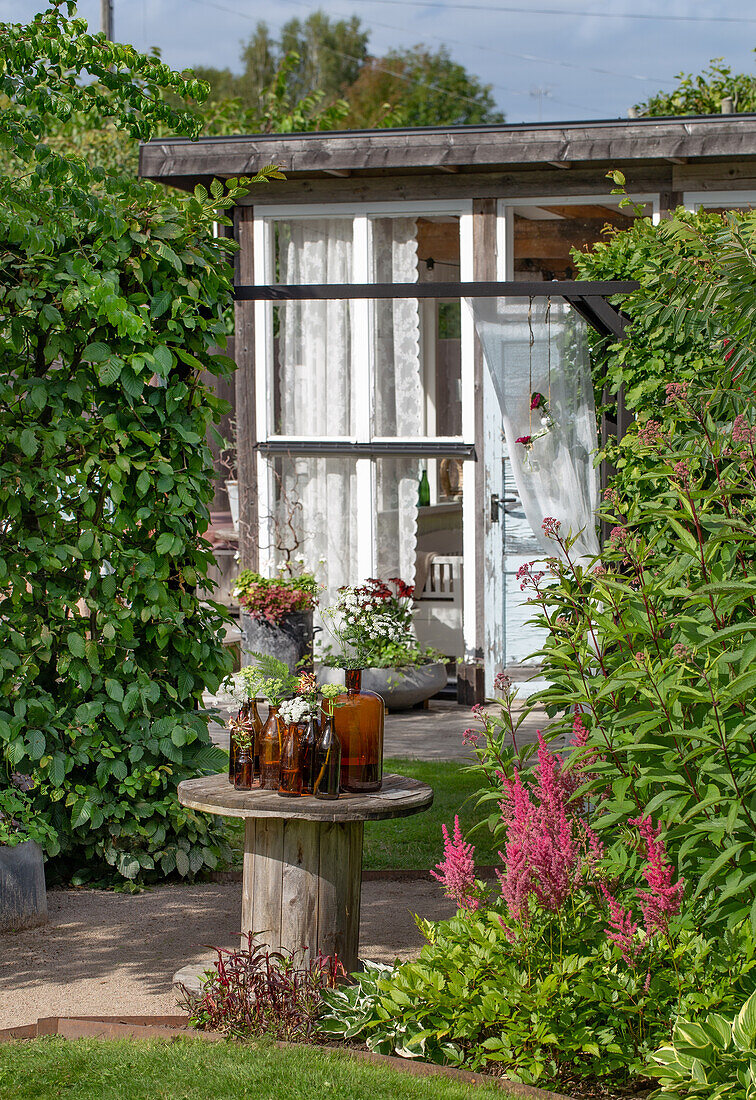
(244, 768)
(271, 739)
(327, 772)
(359, 727)
(290, 785)
(247, 719)
(310, 739)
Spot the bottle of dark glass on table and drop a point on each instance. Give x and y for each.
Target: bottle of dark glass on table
(327, 777)
(244, 772)
(290, 782)
(310, 739)
(271, 740)
(358, 722)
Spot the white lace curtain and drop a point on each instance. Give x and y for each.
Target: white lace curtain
(316, 397)
(399, 407)
(537, 355)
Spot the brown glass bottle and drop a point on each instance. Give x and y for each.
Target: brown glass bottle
(271, 739)
(243, 775)
(290, 785)
(257, 725)
(358, 722)
(310, 739)
(327, 778)
(246, 718)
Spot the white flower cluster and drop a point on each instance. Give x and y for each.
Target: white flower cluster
(295, 710)
(382, 628)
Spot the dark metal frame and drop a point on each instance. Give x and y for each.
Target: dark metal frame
(587, 298)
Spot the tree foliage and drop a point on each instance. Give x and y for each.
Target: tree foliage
(411, 87)
(112, 298)
(702, 94)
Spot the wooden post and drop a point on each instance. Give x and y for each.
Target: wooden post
(301, 890)
(246, 426)
(106, 18)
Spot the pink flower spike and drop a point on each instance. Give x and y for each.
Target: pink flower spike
(458, 869)
(622, 928)
(664, 898)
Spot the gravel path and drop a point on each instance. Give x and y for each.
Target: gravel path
(103, 953)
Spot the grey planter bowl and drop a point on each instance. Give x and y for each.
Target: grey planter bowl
(290, 641)
(23, 895)
(399, 688)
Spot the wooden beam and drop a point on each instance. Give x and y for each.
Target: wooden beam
(342, 173)
(246, 427)
(447, 167)
(560, 163)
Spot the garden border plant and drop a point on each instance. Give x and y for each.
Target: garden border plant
(113, 296)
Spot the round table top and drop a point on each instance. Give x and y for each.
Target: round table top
(398, 797)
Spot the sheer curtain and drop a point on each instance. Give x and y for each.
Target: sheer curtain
(315, 396)
(537, 354)
(398, 395)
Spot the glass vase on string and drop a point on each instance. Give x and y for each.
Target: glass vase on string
(358, 722)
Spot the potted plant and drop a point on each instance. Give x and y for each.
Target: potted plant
(276, 615)
(23, 895)
(373, 625)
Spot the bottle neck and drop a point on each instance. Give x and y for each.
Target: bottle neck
(353, 680)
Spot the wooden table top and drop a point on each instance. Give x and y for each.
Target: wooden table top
(398, 797)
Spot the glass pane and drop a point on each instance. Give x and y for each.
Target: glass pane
(313, 524)
(422, 544)
(545, 235)
(313, 392)
(416, 344)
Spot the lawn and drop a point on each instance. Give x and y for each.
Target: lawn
(416, 842)
(190, 1069)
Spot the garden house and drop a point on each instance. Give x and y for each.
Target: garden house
(377, 436)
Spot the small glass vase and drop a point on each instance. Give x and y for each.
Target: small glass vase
(358, 722)
(310, 740)
(248, 718)
(327, 778)
(290, 785)
(244, 772)
(271, 740)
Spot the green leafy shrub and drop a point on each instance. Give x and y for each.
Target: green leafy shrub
(713, 1059)
(18, 819)
(112, 297)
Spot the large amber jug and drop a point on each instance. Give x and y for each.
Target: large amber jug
(359, 727)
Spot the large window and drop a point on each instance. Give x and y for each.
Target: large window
(362, 403)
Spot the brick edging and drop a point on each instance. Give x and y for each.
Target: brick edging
(169, 1027)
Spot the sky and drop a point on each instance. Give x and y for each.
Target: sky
(553, 60)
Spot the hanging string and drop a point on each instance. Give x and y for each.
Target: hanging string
(530, 364)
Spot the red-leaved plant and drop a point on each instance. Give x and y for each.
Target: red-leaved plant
(255, 992)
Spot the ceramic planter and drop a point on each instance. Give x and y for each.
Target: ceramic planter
(23, 895)
(399, 688)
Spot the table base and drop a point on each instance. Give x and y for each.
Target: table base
(301, 890)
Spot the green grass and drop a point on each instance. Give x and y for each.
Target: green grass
(416, 842)
(190, 1069)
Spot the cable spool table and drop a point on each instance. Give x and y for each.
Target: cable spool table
(303, 859)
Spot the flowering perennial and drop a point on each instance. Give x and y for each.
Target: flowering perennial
(457, 869)
(664, 898)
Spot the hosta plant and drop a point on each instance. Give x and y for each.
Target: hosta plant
(713, 1059)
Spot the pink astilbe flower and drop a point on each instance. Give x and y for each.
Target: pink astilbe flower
(622, 928)
(543, 854)
(664, 898)
(457, 869)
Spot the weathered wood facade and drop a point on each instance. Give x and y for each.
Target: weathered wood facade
(517, 198)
